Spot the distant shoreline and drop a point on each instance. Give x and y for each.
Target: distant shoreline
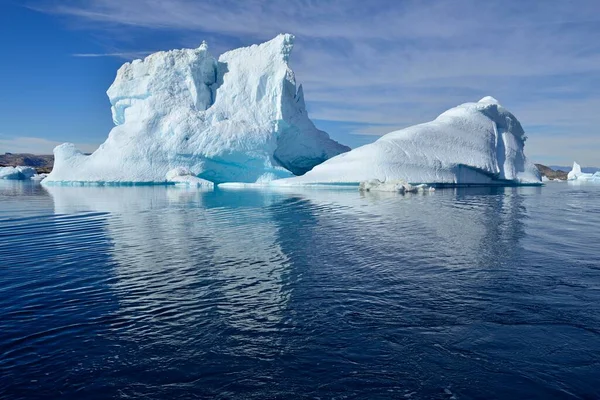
(44, 163)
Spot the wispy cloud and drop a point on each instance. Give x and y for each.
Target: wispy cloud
(124, 55)
(35, 145)
(387, 64)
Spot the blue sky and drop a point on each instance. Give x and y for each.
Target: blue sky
(367, 67)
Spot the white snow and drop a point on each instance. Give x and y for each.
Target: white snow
(576, 175)
(239, 118)
(474, 143)
(17, 173)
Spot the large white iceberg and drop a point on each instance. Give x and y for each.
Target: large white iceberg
(474, 143)
(17, 173)
(577, 175)
(239, 118)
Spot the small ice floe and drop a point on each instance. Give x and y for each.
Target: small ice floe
(375, 185)
(184, 177)
(38, 177)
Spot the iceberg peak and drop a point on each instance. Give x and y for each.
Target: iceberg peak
(287, 41)
(489, 100)
(576, 170)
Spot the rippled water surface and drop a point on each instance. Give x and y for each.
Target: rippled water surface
(159, 292)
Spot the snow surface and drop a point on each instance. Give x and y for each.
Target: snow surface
(474, 143)
(576, 175)
(17, 173)
(239, 118)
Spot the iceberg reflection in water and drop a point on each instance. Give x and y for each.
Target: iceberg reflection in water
(167, 292)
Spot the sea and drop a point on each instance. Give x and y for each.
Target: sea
(162, 292)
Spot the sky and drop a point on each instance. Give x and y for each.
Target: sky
(367, 68)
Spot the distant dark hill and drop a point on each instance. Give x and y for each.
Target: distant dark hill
(587, 170)
(551, 173)
(42, 163)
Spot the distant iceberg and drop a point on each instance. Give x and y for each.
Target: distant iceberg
(17, 173)
(239, 118)
(474, 143)
(577, 175)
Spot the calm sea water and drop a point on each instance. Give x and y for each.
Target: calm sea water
(160, 292)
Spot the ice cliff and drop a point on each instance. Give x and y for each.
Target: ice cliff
(239, 118)
(474, 143)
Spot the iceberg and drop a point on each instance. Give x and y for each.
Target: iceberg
(17, 173)
(474, 143)
(577, 175)
(240, 117)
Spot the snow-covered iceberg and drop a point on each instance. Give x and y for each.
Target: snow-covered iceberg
(17, 173)
(239, 118)
(577, 175)
(474, 143)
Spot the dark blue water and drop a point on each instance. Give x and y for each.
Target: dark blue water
(161, 293)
